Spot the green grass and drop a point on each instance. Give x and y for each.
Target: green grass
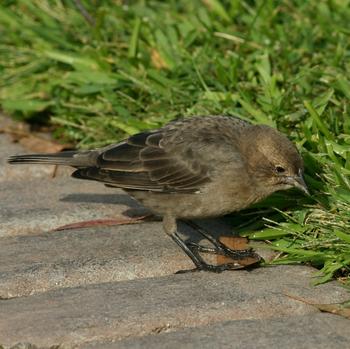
(135, 65)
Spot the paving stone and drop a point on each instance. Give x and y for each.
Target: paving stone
(37, 263)
(24, 172)
(115, 311)
(32, 201)
(37, 205)
(321, 331)
(32, 264)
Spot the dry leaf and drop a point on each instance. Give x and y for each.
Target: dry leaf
(16, 129)
(102, 222)
(38, 144)
(157, 59)
(235, 242)
(238, 243)
(342, 309)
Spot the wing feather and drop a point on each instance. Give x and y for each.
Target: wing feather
(143, 163)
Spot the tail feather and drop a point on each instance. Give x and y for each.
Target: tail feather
(67, 158)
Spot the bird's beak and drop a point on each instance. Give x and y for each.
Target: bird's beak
(298, 182)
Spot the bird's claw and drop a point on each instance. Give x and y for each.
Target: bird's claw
(239, 257)
(223, 250)
(212, 268)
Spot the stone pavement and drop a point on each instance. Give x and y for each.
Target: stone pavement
(115, 287)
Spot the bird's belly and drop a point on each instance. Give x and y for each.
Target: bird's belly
(213, 202)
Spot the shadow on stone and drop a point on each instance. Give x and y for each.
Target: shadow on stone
(120, 199)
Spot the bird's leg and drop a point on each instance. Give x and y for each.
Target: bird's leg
(224, 251)
(219, 247)
(170, 228)
(198, 261)
(204, 249)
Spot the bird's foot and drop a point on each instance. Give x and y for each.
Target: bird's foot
(212, 268)
(238, 259)
(223, 250)
(246, 255)
(102, 222)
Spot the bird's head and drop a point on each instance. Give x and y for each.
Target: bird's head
(273, 161)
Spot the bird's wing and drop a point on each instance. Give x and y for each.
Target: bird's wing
(145, 162)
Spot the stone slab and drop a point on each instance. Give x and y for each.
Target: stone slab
(115, 311)
(321, 331)
(37, 205)
(24, 172)
(37, 263)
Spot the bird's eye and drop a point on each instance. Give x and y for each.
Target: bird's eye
(280, 169)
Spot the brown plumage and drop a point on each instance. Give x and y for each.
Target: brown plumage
(192, 168)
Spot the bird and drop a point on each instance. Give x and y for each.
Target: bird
(190, 168)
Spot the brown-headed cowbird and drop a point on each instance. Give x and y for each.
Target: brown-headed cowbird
(191, 168)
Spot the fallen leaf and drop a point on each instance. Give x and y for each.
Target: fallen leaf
(157, 60)
(102, 222)
(341, 309)
(235, 242)
(16, 129)
(39, 144)
(238, 243)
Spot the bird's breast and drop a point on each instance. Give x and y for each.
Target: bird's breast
(214, 199)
